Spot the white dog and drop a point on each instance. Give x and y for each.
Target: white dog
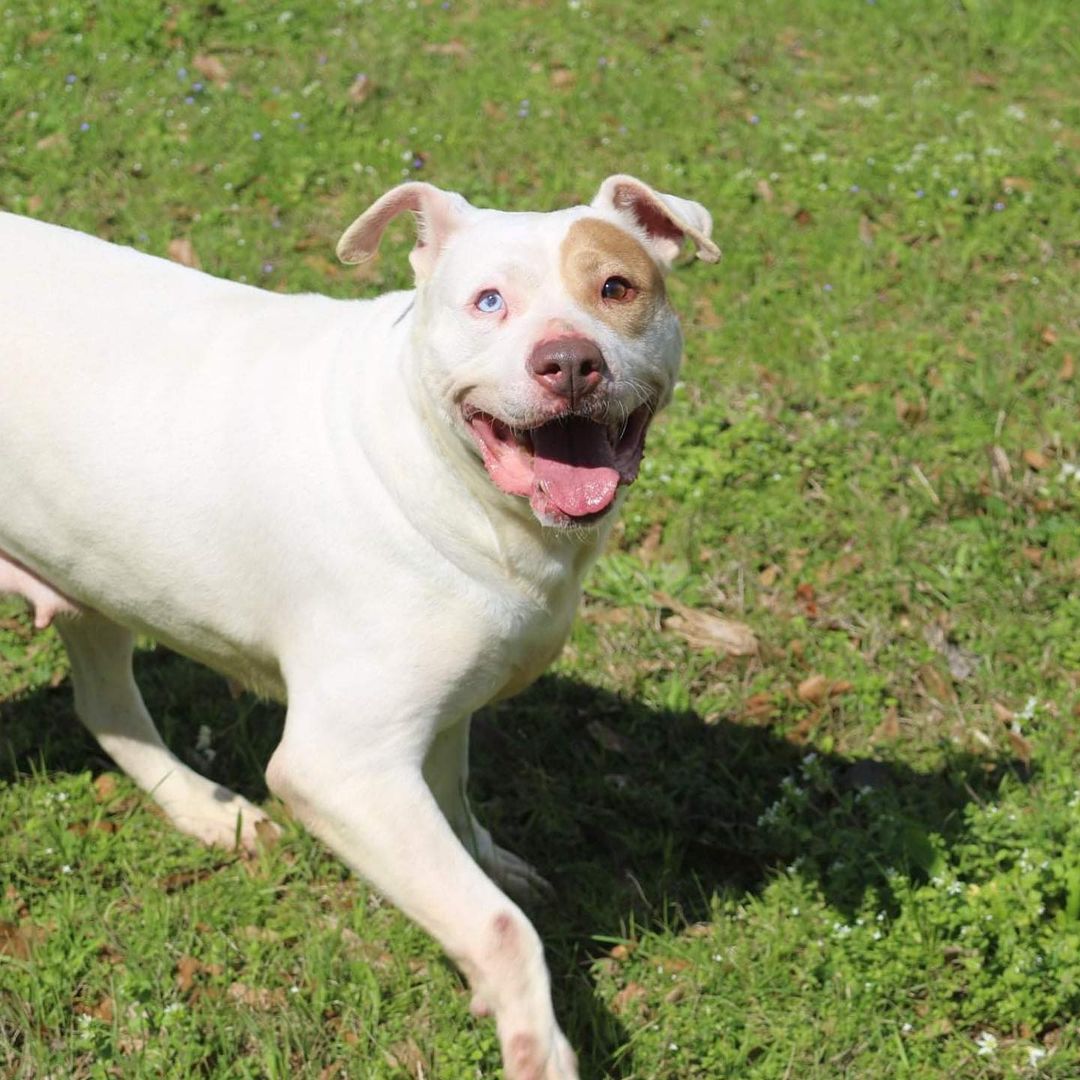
(380, 510)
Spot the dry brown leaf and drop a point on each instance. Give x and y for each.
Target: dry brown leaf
(982, 79)
(764, 190)
(257, 997)
(210, 67)
(1021, 746)
(630, 997)
(562, 77)
(453, 47)
(1002, 712)
(1016, 183)
(607, 738)
(802, 218)
(50, 142)
(759, 707)
(935, 683)
(1048, 336)
(19, 939)
(408, 1056)
(889, 728)
(105, 787)
(1035, 459)
(361, 89)
(768, 576)
(704, 630)
(1068, 368)
(187, 967)
(181, 250)
(814, 689)
(1034, 555)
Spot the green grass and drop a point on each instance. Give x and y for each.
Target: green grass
(871, 462)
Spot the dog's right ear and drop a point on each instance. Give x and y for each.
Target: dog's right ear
(438, 214)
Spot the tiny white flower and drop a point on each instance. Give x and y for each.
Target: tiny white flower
(1035, 1055)
(65, 869)
(987, 1043)
(906, 1029)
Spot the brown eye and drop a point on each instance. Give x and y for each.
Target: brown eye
(617, 288)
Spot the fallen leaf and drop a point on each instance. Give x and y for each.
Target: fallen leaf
(814, 689)
(361, 89)
(1021, 746)
(1048, 336)
(631, 996)
(1002, 712)
(50, 142)
(408, 1056)
(703, 630)
(19, 939)
(768, 576)
(210, 67)
(982, 79)
(889, 728)
(1034, 555)
(257, 997)
(764, 190)
(935, 683)
(187, 967)
(103, 1010)
(562, 77)
(802, 218)
(1068, 368)
(453, 47)
(105, 787)
(181, 250)
(759, 707)
(607, 738)
(1016, 183)
(1035, 459)
(622, 951)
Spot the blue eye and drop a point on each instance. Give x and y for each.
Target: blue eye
(489, 301)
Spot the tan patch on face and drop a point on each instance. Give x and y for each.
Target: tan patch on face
(594, 250)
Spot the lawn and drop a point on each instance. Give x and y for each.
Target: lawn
(854, 852)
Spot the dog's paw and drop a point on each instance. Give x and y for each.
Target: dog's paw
(229, 823)
(518, 878)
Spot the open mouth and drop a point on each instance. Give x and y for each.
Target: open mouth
(569, 468)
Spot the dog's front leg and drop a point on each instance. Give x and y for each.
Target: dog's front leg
(361, 789)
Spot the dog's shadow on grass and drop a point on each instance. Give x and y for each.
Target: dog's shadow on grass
(639, 817)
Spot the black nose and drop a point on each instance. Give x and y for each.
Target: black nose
(570, 367)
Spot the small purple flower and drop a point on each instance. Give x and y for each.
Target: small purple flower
(257, 136)
(826, 287)
(84, 126)
(181, 73)
(189, 100)
(602, 61)
(755, 119)
(999, 206)
(267, 267)
(417, 162)
(322, 59)
(919, 193)
(70, 79)
(953, 192)
(854, 189)
(295, 115)
(445, 5)
(197, 87)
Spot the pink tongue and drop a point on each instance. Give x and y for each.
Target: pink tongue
(576, 465)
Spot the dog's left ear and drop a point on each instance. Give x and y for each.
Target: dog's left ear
(438, 214)
(666, 220)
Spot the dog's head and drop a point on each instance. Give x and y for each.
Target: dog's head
(548, 338)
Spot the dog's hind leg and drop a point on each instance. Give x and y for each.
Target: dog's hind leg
(446, 770)
(109, 703)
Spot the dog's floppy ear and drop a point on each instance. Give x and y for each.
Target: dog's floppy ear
(666, 220)
(438, 213)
